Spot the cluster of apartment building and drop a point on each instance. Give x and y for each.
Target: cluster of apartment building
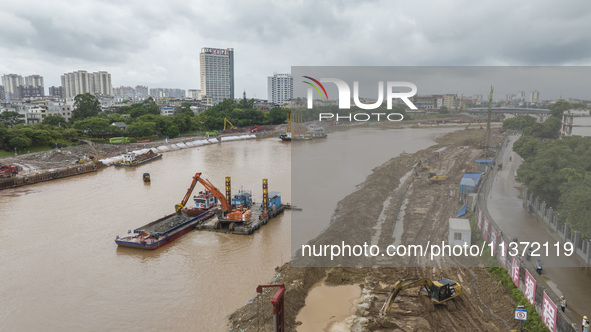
(16, 86)
(519, 98)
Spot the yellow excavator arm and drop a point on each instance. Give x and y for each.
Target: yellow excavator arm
(226, 121)
(432, 176)
(401, 285)
(439, 291)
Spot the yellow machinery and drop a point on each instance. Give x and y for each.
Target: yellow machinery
(438, 291)
(432, 177)
(473, 120)
(227, 122)
(236, 215)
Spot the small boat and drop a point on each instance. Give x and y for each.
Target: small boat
(146, 177)
(130, 159)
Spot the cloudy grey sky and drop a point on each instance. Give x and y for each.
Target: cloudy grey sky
(157, 43)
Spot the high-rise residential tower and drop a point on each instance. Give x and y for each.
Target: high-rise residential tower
(280, 88)
(35, 81)
(81, 81)
(11, 83)
(217, 73)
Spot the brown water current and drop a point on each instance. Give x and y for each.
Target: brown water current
(60, 269)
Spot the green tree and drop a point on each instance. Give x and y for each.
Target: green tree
(141, 129)
(443, 110)
(277, 115)
(548, 129)
(183, 122)
(519, 122)
(41, 138)
(97, 127)
(151, 107)
(184, 108)
(20, 142)
(246, 103)
(172, 131)
(558, 107)
(10, 118)
(116, 118)
(70, 133)
(85, 106)
(159, 120)
(55, 120)
(575, 204)
(3, 134)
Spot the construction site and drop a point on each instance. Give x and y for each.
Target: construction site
(424, 200)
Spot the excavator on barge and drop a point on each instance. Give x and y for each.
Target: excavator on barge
(227, 215)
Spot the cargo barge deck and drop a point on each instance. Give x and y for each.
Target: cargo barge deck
(132, 160)
(258, 219)
(162, 231)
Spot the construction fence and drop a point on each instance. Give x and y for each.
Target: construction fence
(523, 272)
(546, 214)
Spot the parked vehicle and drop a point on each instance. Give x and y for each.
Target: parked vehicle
(8, 171)
(539, 266)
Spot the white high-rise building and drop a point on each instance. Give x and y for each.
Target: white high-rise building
(534, 97)
(280, 88)
(11, 83)
(217, 73)
(81, 81)
(100, 84)
(34, 81)
(194, 93)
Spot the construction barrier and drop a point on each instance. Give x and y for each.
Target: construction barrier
(527, 275)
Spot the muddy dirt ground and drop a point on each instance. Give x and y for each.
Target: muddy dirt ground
(72, 155)
(363, 216)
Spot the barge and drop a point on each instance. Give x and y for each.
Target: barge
(162, 231)
(312, 133)
(166, 229)
(130, 159)
(259, 217)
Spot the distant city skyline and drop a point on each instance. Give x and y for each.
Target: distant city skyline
(157, 44)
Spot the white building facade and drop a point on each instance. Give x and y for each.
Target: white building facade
(217, 73)
(279, 88)
(11, 82)
(78, 82)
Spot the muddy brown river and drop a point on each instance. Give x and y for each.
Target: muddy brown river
(60, 269)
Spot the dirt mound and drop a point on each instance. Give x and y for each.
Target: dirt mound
(364, 216)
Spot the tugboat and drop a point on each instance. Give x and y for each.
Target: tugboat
(146, 177)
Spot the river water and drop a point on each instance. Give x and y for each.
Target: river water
(60, 268)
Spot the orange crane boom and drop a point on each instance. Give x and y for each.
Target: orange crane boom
(209, 186)
(237, 215)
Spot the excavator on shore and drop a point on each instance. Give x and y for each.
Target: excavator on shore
(227, 122)
(227, 214)
(432, 176)
(439, 291)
